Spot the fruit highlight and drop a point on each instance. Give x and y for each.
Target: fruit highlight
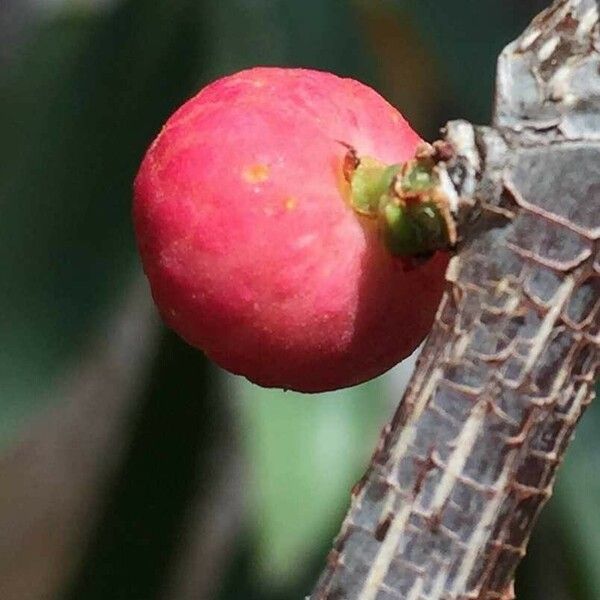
(272, 223)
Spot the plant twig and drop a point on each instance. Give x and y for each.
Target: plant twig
(461, 473)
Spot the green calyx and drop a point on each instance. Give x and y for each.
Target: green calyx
(369, 182)
(407, 201)
(415, 229)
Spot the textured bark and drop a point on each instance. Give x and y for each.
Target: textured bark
(461, 473)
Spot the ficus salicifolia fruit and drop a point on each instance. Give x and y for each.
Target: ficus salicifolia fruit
(276, 214)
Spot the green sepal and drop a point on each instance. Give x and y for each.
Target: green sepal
(370, 181)
(412, 229)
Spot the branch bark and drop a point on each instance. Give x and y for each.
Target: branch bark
(461, 473)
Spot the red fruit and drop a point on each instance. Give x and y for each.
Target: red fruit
(251, 248)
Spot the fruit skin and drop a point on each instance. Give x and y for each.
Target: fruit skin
(251, 248)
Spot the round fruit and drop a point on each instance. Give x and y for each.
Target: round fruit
(252, 249)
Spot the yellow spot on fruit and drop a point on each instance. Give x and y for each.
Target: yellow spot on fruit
(256, 173)
(290, 203)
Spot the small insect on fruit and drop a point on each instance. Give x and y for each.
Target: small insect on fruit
(248, 219)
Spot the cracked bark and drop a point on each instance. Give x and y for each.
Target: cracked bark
(461, 473)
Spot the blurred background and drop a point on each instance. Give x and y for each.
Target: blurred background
(130, 467)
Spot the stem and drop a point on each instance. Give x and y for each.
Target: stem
(461, 473)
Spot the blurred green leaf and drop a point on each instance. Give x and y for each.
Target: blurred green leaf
(304, 452)
(318, 34)
(467, 37)
(578, 503)
(78, 109)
